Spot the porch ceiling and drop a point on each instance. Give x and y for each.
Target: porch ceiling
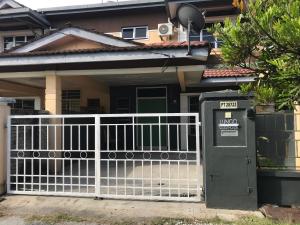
(118, 77)
(35, 82)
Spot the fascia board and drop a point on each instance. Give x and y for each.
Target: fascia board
(199, 54)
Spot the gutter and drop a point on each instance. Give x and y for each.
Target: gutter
(101, 7)
(52, 59)
(207, 82)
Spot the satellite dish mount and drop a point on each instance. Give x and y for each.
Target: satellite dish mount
(191, 18)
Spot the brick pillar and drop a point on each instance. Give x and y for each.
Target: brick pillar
(4, 113)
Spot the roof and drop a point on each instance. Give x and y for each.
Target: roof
(75, 31)
(155, 46)
(109, 6)
(174, 53)
(18, 16)
(220, 73)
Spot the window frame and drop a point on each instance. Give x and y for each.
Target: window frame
(14, 40)
(134, 28)
(36, 99)
(67, 101)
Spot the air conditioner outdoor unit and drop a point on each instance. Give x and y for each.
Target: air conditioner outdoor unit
(165, 29)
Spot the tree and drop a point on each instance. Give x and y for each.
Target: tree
(265, 38)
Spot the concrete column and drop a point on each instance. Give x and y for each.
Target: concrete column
(297, 135)
(53, 93)
(4, 113)
(53, 105)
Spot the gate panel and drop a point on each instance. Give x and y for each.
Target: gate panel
(135, 156)
(142, 157)
(51, 155)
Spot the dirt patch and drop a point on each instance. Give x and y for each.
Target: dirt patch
(3, 211)
(281, 213)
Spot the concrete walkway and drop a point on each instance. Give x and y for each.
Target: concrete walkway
(17, 208)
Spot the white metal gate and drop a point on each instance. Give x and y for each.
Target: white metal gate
(132, 156)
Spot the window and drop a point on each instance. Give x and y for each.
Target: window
(155, 92)
(206, 36)
(13, 41)
(23, 104)
(70, 101)
(135, 32)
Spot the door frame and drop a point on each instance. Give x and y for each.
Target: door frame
(138, 98)
(151, 87)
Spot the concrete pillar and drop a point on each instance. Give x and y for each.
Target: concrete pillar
(297, 135)
(53, 93)
(53, 96)
(4, 113)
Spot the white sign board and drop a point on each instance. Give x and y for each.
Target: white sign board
(228, 105)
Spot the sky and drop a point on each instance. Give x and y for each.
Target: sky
(37, 4)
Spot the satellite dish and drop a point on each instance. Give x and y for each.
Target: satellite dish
(190, 17)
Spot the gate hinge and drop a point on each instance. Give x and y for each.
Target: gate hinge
(249, 190)
(248, 161)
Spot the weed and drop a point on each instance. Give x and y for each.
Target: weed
(55, 219)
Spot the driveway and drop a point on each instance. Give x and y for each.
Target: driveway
(20, 210)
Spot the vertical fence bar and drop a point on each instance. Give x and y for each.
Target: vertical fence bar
(133, 133)
(197, 125)
(8, 141)
(107, 137)
(116, 137)
(63, 156)
(40, 147)
(142, 137)
(125, 136)
(187, 136)
(32, 160)
(177, 137)
(169, 147)
(159, 132)
(151, 139)
(97, 155)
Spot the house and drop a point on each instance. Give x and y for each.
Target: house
(122, 94)
(109, 58)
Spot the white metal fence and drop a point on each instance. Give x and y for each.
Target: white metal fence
(132, 156)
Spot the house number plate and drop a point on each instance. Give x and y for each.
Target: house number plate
(229, 105)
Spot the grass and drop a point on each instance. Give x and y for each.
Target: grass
(259, 221)
(218, 221)
(55, 219)
(61, 218)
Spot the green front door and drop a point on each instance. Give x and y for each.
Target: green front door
(151, 132)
